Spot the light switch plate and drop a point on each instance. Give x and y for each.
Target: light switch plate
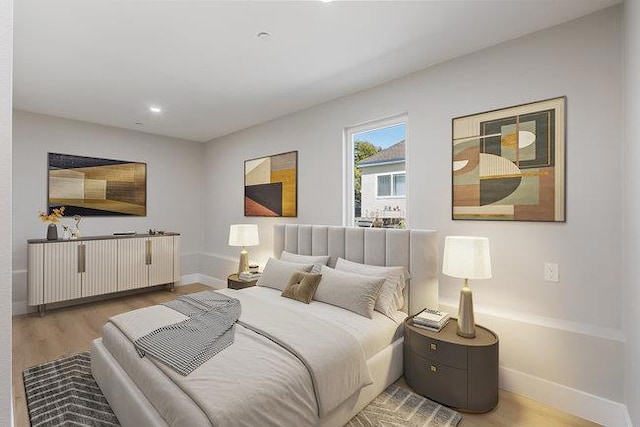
(551, 272)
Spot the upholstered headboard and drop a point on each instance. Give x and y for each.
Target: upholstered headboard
(416, 250)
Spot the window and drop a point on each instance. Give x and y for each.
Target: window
(375, 177)
(391, 185)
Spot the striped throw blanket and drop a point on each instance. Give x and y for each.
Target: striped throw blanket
(188, 344)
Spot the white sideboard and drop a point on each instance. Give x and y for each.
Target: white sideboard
(63, 270)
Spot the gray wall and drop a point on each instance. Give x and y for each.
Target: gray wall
(631, 185)
(549, 331)
(6, 55)
(174, 184)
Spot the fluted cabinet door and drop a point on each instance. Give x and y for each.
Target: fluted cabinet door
(100, 267)
(132, 267)
(61, 273)
(161, 261)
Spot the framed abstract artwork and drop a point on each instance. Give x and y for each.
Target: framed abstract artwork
(271, 185)
(509, 164)
(90, 186)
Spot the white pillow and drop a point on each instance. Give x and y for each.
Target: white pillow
(317, 260)
(394, 285)
(276, 273)
(352, 292)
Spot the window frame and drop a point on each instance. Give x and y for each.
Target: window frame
(348, 196)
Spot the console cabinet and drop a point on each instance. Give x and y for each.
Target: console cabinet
(63, 270)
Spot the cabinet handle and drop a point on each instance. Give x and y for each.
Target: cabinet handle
(433, 368)
(433, 346)
(82, 261)
(148, 252)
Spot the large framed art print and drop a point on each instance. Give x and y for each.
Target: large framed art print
(90, 186)
(271, 185)
(509, 164)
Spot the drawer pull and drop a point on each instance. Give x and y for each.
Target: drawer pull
(434, 346)
(434, 368)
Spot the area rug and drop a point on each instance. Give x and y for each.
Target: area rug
(397, 406)
(63, 392)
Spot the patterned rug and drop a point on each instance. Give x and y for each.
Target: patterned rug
(63, 392)
(397, 406)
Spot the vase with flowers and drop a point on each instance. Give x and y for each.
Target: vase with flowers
(53, 219)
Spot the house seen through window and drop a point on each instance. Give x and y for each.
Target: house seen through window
(379, 178)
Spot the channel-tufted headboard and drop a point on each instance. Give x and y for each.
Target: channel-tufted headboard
(417, 250)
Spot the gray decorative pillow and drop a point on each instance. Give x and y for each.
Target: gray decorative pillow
(276, 273)
(392, 288)
(302, 286)
(317, 260)
(353, 292)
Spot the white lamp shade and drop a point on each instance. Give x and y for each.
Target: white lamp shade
(466, 257)
(243, 235)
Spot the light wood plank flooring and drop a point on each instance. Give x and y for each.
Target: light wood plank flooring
(70, 330)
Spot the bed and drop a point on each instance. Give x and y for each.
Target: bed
(256, 381)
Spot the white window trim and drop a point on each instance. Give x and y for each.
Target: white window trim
(392, 174)
(348, 196)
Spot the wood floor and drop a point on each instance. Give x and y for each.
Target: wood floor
(70, 330)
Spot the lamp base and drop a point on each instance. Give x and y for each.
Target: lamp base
(466, 322)
(243, 265)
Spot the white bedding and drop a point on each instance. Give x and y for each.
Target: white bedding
(254, 377)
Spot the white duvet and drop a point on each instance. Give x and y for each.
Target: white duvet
(290, 363)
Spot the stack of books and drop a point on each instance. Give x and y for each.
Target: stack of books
(248, 276)
(430, 319)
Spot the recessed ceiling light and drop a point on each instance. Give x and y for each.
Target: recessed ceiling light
(326, 1)
(155, 109)
(139, 123)
(264, 36)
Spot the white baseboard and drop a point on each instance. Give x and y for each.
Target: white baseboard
(204, 279)
(19, 307)
(567, 399)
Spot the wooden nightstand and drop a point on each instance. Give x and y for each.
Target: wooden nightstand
(233, 282)
(458, 372)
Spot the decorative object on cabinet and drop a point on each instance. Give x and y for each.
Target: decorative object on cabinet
(243, 235)
(466, 257)
(70, 269)
(509, 164)
(92, 186)
(454, 371)
(66, 233)
(271, 185)
(52, 232)
(75, 232)
(53, 219)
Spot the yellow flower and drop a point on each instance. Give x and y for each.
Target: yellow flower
(53, 217)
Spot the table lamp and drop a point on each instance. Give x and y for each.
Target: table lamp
(243, 235)
(466, 257)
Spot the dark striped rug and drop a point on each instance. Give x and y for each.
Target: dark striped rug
(64, 393)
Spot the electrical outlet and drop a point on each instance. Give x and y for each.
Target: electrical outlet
(551, 272)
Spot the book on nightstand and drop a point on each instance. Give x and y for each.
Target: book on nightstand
(248, 276)
(433, 320)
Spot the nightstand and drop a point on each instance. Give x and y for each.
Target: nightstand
(233, 282)
(458, 372)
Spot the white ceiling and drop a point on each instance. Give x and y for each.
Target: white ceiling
(108, 61)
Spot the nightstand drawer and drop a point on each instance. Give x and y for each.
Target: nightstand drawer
(446, 353)
(439, 382)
